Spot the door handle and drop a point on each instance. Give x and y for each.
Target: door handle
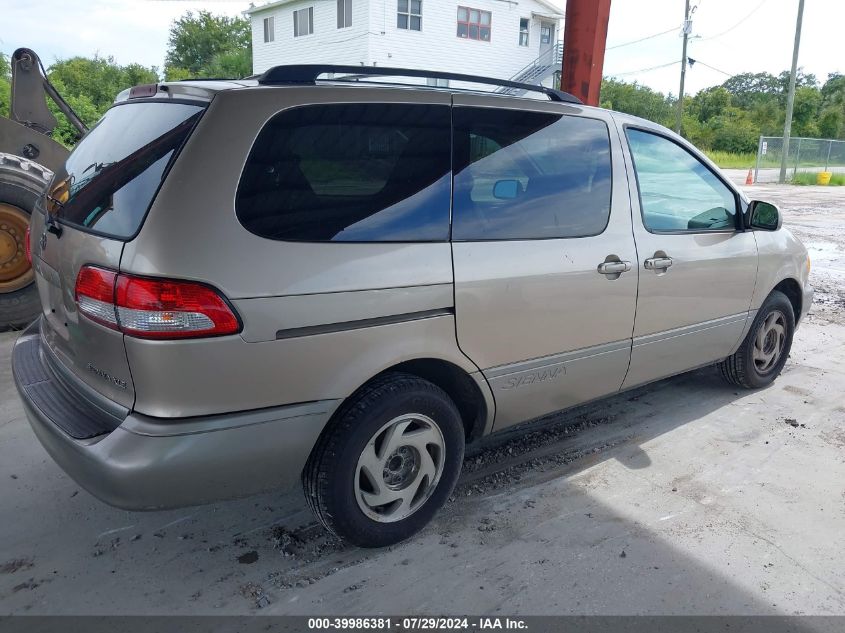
(657, 263)
(614, 268)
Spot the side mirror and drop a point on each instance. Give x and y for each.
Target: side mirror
(764, 216)
(506, 189)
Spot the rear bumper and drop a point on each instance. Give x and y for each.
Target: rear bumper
(149, 463)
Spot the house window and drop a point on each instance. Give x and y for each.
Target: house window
(269, 29)
(437, 83)
(474, 24)
(409, 15)
(545, 34)
(523, 31)
(344, 13)
(303, 22)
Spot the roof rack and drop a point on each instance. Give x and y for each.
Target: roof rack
(309, 73)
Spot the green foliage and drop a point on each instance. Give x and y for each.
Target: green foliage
(809, 178)
(731, 160)
(733, 132)
(729, 119)
(98, 78)
(831, 122)
(5, 85)
(205, 45)
(635, 99)
(89, 85)
(748, 89)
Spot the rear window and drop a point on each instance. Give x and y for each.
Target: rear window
(350, 172)
(112, 176)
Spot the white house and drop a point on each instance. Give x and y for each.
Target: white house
(505, 39)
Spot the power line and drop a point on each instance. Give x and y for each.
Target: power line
(642, 39)
(644, 70)
(753, 11)
(692, 62)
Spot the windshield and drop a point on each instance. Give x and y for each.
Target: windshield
(112, 176)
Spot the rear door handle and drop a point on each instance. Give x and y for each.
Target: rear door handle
(657, 263)
(614, 268)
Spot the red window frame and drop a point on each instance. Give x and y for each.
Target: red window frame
(470, 25)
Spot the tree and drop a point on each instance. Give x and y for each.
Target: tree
(710, 102)
(802, 80)
(204, 43)
(635, 99)
(748, 89)
(831, 124)
(89, 85)
(5, 85)
(804, 117)
(98, 78)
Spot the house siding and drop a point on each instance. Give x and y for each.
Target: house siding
(326, 45)
(375, 39)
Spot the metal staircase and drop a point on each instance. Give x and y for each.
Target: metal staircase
(540, 69)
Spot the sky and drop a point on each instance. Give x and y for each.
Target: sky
(730, 36)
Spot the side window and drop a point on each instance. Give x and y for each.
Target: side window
(269, 29)
(303, 22)
(677, 191)
(344, 13)
(350, 172)
(529, 175)
(409, 15)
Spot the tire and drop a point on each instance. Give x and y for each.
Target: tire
(21, 183)
(762, 355)
(370, 428)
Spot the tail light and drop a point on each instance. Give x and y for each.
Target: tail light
(27, 249)
(152, 308)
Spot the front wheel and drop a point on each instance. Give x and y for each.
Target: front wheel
(763, 353)
(387, 462)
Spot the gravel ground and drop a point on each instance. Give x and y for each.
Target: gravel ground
(683, 497)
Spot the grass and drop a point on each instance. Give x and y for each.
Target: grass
(730, 160)
(809, 178)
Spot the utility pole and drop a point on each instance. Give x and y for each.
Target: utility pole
(790, 97)
(687, 28)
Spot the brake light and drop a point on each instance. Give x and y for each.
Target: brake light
(95, 295)
(27, 249)
(146, 307)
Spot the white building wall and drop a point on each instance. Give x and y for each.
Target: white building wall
(437, 46)
(326, 45)
(375, 39)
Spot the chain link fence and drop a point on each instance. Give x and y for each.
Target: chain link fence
(805, 155)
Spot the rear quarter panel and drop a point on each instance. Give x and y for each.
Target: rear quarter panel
(192, 232)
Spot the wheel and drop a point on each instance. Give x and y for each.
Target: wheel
(763, 353)
(21, 182)
(387, 462)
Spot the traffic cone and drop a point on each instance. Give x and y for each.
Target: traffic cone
(749, 179)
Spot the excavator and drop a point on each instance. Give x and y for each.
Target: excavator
(28, 158)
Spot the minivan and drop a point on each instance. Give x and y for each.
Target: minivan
(344, 281)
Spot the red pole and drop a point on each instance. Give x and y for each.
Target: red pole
(584, 39)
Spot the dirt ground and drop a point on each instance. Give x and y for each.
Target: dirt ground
(684, 497)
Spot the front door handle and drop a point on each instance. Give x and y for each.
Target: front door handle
(657, 263)
(614, 268)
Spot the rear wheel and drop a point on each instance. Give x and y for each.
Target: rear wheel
(763, 353)
(21, 182)
(387, 462)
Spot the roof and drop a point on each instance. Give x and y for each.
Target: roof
(269, 5)
(553, 11)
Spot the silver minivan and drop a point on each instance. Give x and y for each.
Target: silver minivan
(246, 284)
